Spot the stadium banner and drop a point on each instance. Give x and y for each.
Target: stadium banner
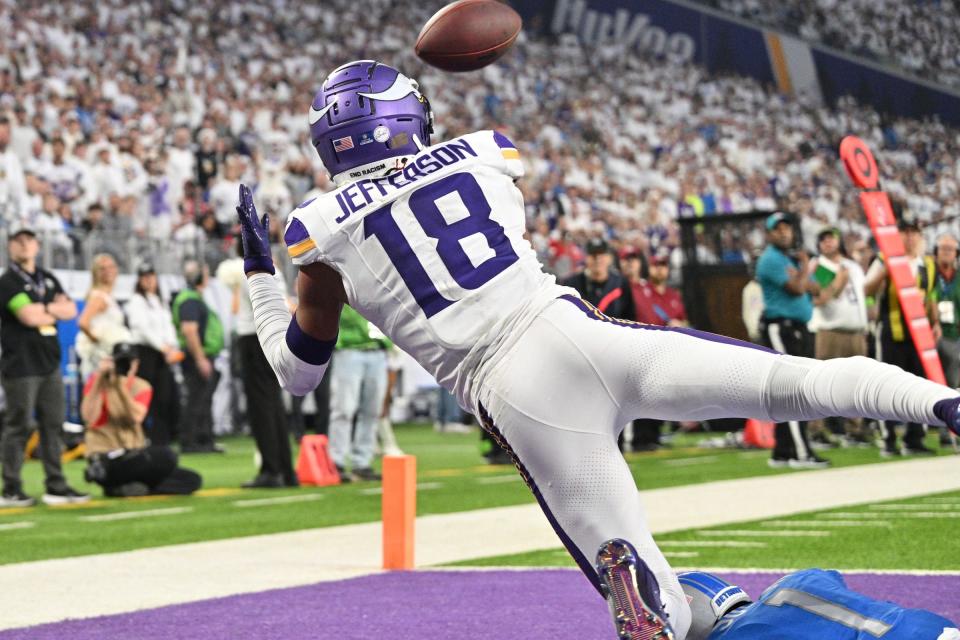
(654, 28)
(886, 90)
(681, 32)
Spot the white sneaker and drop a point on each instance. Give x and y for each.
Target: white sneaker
(16, 499)
(456, 427)
(69, 495)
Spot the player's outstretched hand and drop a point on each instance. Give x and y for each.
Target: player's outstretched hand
(255, 233)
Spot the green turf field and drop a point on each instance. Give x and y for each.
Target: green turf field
(910, 534)
(451, 472)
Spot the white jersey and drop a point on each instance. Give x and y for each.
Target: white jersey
(434, 255)
(848, 311)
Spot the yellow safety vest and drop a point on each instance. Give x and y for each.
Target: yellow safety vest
(895, 315)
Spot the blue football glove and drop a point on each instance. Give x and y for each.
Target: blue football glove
(255, 234)
(949, 411)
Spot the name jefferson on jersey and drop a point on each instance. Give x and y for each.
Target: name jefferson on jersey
(434, 255)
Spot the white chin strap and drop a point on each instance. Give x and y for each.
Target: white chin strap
(377, 169)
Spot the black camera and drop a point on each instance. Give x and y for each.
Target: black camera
(123, 357)
(96, 470)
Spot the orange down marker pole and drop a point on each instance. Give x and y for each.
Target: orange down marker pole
(399, 511)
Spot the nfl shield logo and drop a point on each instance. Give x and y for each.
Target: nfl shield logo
(342, 144)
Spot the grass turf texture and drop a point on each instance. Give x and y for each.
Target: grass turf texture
(888, 538)
(459, 480)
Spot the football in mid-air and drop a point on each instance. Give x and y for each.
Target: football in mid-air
(468, 34)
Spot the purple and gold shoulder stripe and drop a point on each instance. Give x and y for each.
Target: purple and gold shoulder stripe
(297, 239)
(507, 148)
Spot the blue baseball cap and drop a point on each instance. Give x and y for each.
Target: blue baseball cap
(776, 218)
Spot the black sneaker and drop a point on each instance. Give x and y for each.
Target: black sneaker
(917, 450)
(64, 495)
(810, 462)
(265, 481)
(16, 498)
(127, 490)
(366, 474)
(632, 593)
(202, 448)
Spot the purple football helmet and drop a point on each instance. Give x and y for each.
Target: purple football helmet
(367, 119)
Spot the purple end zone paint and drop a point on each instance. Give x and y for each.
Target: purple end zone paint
(480, 605)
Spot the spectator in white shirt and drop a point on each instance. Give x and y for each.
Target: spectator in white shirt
(223, 193)
(840, 316)
(63, 174)
(22, 134)
(13, 188)
(153, 333)
(181, 163)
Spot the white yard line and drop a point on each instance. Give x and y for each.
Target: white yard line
(188, 572)
(866, 516)
(827, 523)
(681, 554)
(421, 486)
(757, 533)
(688, 462)
(730, 544)
(17, 525)
(261, 502)
(513, 477)
(131, 515)
(922, 514)
(914, 507)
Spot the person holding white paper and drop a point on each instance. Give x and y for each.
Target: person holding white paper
(840, 315)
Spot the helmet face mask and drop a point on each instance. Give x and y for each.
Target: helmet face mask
(367, 120)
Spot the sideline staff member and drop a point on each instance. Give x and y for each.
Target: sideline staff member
(31, 303)
(787, 309)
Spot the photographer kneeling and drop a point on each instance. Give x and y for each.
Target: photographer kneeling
(115, 403)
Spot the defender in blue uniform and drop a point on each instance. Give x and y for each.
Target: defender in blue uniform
(807, 604)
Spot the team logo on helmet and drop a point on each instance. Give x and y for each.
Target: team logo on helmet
(402, 87)
(314, 116)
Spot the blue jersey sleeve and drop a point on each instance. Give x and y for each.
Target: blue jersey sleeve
(817, 604)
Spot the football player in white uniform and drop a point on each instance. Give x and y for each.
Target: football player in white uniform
(427, 243)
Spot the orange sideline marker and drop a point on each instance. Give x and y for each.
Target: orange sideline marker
(758, 433)
(399, 511)
(314, 465)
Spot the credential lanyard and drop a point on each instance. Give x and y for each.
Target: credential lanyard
(38, 282)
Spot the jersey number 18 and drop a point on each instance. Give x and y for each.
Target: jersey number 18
(449, 236)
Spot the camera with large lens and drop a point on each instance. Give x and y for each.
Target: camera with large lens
(123, 357)
(96, 470)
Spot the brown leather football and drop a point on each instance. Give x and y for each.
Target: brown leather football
(468, 34)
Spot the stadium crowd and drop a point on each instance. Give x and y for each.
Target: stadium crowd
(126, 128)
(921, 37)
(131, 125)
